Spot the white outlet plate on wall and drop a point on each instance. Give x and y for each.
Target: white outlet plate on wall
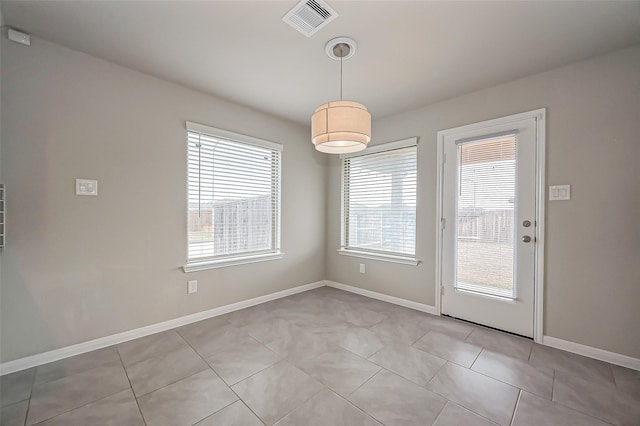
(19, 37)
(559, 192)
(87, 187)
(192, 286)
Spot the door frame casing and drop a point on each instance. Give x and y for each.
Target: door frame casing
(540, 116)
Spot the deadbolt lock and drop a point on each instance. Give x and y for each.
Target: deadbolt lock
(526, 223)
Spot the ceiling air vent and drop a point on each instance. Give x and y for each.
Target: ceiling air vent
(309, 16)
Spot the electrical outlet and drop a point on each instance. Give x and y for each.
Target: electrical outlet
(192, 287)
(362, 268)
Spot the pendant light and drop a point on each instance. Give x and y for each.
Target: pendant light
(341, 127)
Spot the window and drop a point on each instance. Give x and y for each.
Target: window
(379, 202)
(233, 207)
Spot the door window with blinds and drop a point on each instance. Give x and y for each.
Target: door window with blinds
(485, 214)
(379, 202)
(233, 196)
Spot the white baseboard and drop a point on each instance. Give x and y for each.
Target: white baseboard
(577, 348)
(103, 342)
(591, 352)
(385, 298)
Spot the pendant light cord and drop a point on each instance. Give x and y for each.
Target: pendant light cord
(341, 57)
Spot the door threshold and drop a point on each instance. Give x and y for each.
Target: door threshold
(489, 327)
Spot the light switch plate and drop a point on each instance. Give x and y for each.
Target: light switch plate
(86, 187)
(19, 37)
(559, 192)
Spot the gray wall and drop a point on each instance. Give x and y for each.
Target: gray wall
(79, 268)
(592, 276)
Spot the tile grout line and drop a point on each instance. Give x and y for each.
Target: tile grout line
(425, 352)
(434, 376)
(442, 396)
(168, 384)
(174, 382)
(340, 348)
(357, 354)
(355, 406)
(330, 389)
(33, 384)
(83, 405)
(569, 407)
(449, 400)
(530, 351)
(249, 408)
(215, 412)
(135, 397)
(369, 379)
(338, 345)
(420, 338)
(477, 357)
(223, 381)
(208, 367)
(615, 382)
(584, 413)
(253, 374)
(500, 380)
(217, 375)
(155, 356)
(572, 408)
(613, 376)
(515, 408)
(441, 410)
(375, 353)
(303, 402)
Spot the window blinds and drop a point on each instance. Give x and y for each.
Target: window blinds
(233, 198)
(379, 202)
(485, 215)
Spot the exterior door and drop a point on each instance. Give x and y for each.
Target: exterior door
(488, 223)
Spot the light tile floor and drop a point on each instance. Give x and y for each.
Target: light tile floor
(324, 357)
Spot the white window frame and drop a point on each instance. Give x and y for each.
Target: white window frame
(388, 257)
(240, 259)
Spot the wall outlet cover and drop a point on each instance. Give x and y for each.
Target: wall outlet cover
(559, 192)
(87, 187)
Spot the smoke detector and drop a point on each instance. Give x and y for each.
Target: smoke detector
(309, 16)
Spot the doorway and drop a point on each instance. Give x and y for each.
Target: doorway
(490, 211)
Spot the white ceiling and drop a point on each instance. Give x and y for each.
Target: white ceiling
(409, 53)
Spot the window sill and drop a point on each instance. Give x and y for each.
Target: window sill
(379, 256)
(232, 261)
